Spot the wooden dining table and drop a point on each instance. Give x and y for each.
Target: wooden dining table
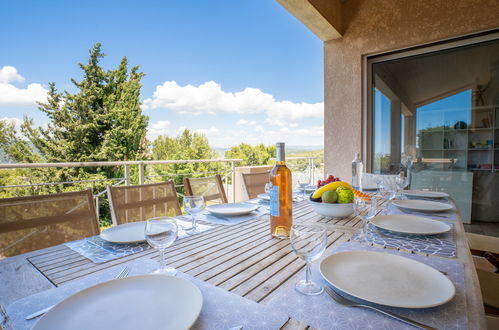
(244, 259)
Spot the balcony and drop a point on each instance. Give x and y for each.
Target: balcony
(147, 172)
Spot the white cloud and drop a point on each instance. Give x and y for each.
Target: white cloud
(9, 74)
(259, 134)
(212, 131)
(158, 128)
(246, 122)
(278, 122)
(16, 121)
(209, 98)
(12, 96)
(161, 124)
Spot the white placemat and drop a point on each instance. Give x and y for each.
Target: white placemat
(221, 309)
(322, 312)
(98, 250)
(443, 245)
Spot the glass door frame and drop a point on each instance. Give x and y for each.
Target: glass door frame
(368, 85)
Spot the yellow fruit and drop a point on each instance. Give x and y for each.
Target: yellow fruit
(330, 186)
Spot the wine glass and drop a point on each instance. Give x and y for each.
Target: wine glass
(387, 191)
(308, 242)
(193, 205)
(160, 233)
(402, 182)
(378, 179)
(304, 182)
(365, 209)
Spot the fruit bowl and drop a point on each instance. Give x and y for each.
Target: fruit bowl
(332, 210)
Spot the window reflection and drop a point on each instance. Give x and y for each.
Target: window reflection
(441, 110)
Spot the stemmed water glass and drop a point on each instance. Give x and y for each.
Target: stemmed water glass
(308, 242)
(193, 205)
(365, 209)
(160, 233)
(387, 191)
(378, 179)
(304, 182)
(402, 182)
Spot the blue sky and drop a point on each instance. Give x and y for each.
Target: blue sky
(239, 71)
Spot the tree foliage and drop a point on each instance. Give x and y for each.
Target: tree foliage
(257, 155)
(101, 121)
(187, 145)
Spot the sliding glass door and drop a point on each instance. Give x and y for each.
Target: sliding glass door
(440, 110)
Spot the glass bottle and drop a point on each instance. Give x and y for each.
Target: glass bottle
(281, 196)
(357, 169)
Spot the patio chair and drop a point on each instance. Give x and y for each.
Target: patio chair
(37, 222)
(141, 202)
(488, 248)
(211, 188)
(254, 183)
(484, 246)
(489, 285)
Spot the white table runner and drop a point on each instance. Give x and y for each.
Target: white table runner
(221, 309)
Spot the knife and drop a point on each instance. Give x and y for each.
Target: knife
(38, 313)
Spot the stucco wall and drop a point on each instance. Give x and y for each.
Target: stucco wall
(372, 26)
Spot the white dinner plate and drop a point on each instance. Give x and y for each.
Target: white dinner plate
(231, 209)
(387, 279)
(138, 302)
(126, 233)
(425, 194)
(410, 224)
(422, 206)
(265, 197)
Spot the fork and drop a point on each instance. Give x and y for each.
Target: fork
(345, 302)
(124, 273)
(4, 319)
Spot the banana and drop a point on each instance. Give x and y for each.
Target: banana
(330, 186)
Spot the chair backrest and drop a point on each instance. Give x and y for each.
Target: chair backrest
(211, 188)
(36, 222)
(141, 202)
(254, 183)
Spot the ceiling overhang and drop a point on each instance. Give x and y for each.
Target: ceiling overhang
(322, 17)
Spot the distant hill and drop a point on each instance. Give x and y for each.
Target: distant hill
(221, 151)
(301, 150)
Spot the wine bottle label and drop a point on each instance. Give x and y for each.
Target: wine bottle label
(274, 201)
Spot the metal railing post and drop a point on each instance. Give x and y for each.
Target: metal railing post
(233, 176)
(127, 175)
(141, 173)
(97, 213)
